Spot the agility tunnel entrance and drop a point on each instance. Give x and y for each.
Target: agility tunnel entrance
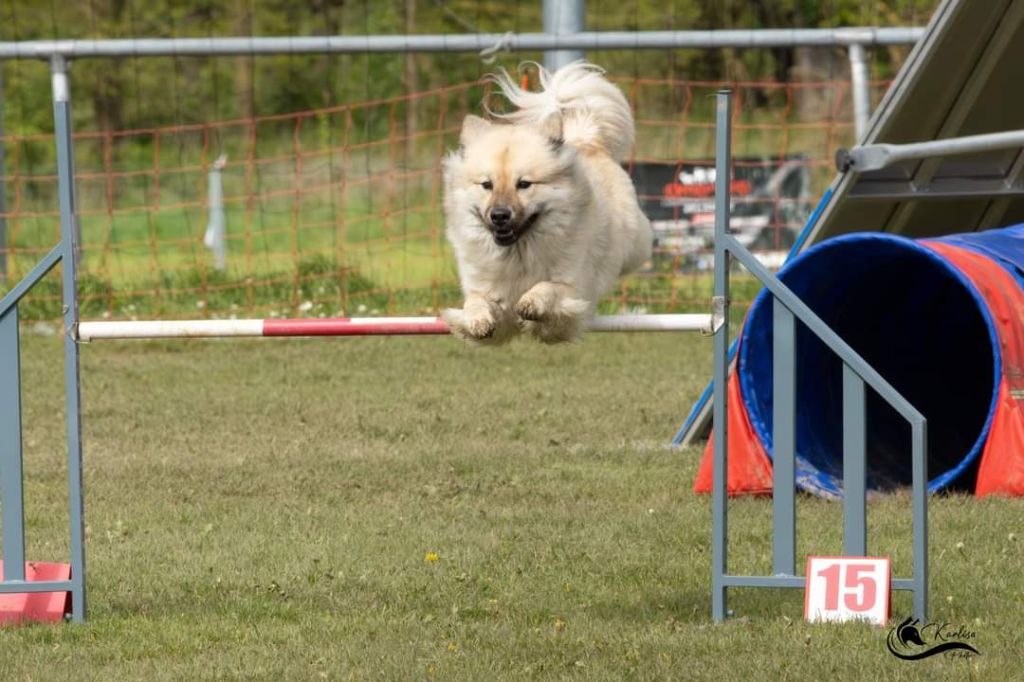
(953, 85)
(942, 320)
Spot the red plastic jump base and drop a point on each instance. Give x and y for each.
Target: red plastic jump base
(39, 606)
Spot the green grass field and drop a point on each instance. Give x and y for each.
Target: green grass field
(410, 509)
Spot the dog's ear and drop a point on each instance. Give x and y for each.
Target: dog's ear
(551, 127)
(472, 126)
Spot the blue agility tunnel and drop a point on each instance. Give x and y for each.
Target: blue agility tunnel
(941, 320)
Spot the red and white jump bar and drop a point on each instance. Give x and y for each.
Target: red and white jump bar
(353, 326)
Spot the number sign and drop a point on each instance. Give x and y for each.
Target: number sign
(843, 588)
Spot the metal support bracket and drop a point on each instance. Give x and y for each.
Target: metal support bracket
(871, 157)
(719, 309)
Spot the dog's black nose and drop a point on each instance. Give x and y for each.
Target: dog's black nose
(500, 216)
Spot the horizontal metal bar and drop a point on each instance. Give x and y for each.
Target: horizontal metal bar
(93, 330)
(794, 581)
(352, 326)
(818, 327)
(870, 189)
(33, 586)
(697, 322)
(786, 581)
(512, 42)
(877, 156)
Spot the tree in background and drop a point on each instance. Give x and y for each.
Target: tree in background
(133, 93)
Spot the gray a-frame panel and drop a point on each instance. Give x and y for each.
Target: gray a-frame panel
(964, 77)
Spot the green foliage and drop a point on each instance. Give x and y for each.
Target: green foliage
(45, 301)
(317, 288)
(141, 93)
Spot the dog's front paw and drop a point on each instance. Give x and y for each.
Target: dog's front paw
(531, 308)
(553, 322)
(469, 328)
(481, 328)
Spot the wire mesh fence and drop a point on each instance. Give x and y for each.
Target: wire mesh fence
(337, 210)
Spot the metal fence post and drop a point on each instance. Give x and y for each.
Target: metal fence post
(719, 520)
(860, 86)
(563, 17)
(3, 186)
(216, 228)
(68, 246)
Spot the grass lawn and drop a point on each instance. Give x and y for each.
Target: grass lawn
(404, 508)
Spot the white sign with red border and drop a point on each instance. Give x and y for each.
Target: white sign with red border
(842, 588)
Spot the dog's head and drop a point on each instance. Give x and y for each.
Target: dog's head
(508, 175)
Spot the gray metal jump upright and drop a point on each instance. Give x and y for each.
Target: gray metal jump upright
(11, 464)
(787, 310)
(720, 355)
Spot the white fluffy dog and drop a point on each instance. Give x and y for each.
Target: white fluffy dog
(542, 217)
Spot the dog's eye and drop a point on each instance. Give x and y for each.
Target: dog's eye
(523, 184)
(487, 185)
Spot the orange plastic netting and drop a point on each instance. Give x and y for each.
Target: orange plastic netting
(338, 210)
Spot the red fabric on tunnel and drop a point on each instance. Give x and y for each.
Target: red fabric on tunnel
(750, 471)
(1001, 471)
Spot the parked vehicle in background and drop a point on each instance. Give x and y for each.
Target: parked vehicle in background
(770, 203)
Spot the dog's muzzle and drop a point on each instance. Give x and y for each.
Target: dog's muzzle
(506, 231)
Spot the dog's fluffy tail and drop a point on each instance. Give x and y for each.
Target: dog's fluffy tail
(593, 112)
